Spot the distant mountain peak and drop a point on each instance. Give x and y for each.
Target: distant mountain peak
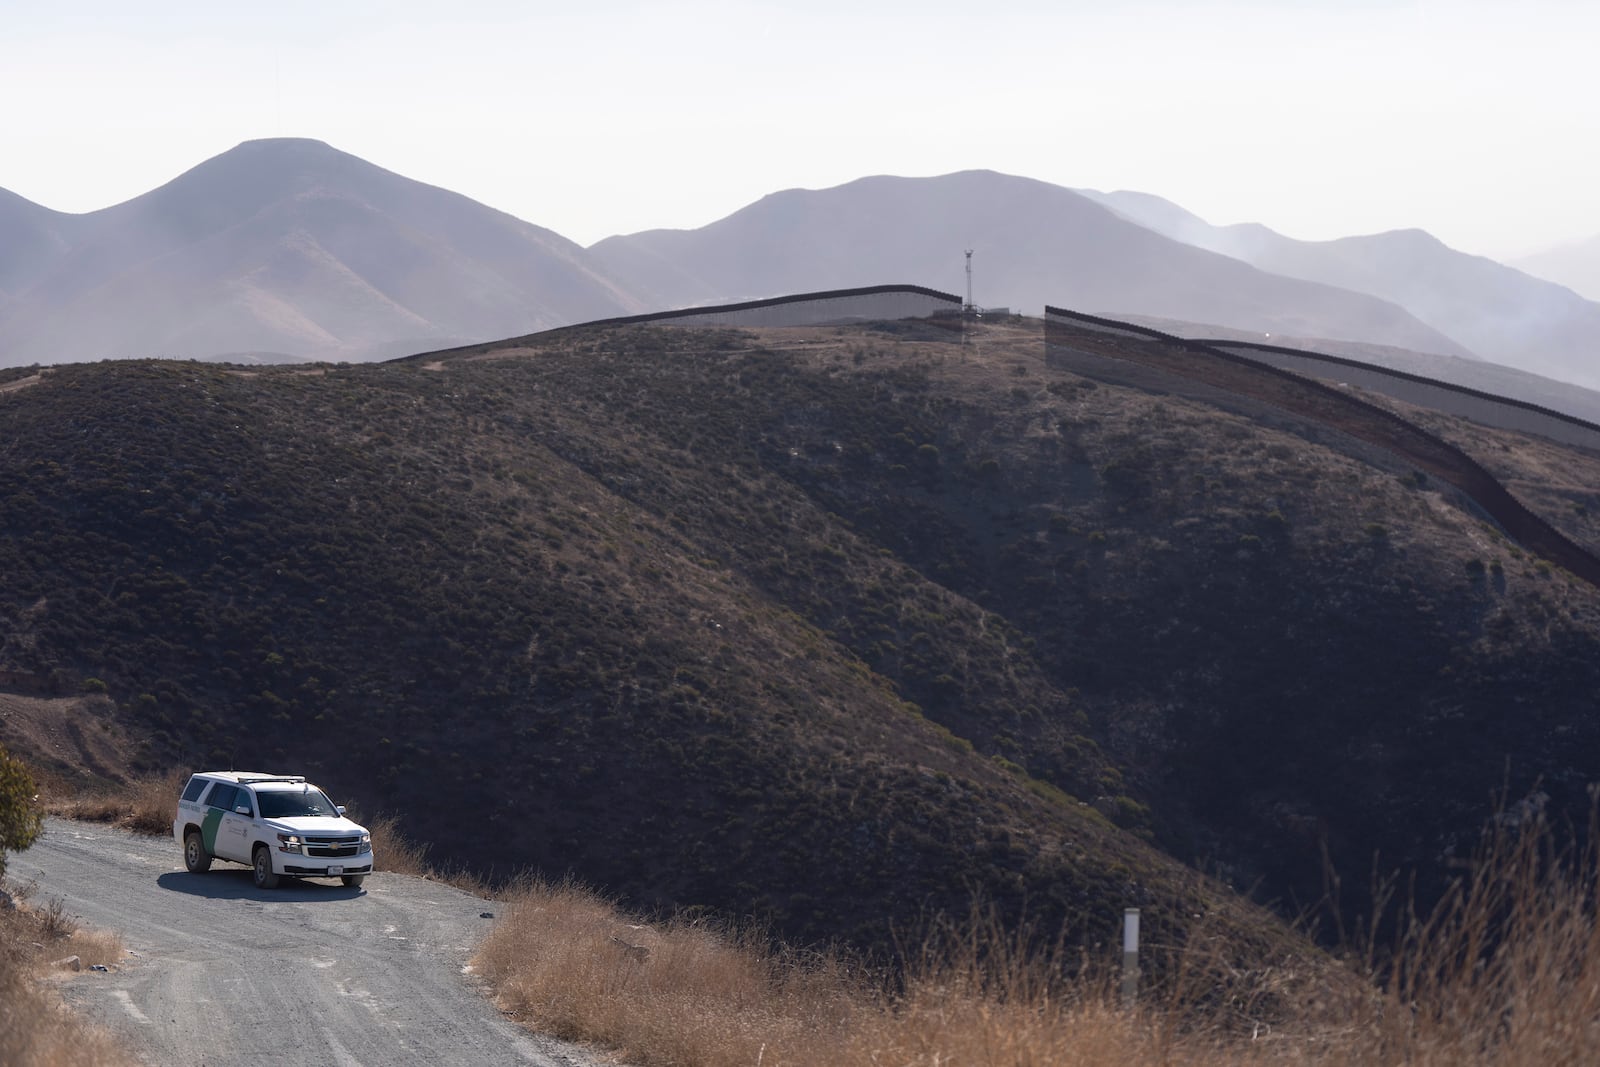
(283, 152)
(1408, 236)
(286, 142)
(289, 245)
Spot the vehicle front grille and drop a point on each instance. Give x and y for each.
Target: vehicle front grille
(333, 846)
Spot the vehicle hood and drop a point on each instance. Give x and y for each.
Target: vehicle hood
(316, 824)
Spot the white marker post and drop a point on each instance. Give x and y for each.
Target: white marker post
(1130, 956)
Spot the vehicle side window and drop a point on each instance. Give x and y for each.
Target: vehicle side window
(222, 795)
(244, 798)
(193, 789)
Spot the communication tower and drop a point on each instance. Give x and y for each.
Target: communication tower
(969, 308)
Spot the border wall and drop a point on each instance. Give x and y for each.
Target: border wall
(873, 303)
(1196, 363)
(1502, 412)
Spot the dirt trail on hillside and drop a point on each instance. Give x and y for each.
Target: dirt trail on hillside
(21, 383)
(221, 972)
(74, 735)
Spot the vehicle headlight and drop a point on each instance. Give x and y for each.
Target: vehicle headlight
(366, 843)
(290, 843)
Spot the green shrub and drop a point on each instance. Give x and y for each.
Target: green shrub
(20, 815)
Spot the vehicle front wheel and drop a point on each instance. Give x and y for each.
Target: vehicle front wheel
(262, 865)
(195, 856)
(352, 880)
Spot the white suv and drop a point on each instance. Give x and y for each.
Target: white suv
(278, 824)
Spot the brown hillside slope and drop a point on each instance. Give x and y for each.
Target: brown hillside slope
(828, 625)
(1339, 411)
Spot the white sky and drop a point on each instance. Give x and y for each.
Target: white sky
(1477, 121)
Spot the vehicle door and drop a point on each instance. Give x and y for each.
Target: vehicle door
(236, 824)
(219, 807)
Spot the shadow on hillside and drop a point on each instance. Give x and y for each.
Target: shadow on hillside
(239, 885)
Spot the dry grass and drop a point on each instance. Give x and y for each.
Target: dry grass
(1504, 972)
(144, 805)
(565, 962)
(397, 853)
(1507, 968)
(153, 802)
(394, 851)
(35, 1028)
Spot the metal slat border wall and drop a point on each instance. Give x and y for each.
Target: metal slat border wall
(869, 304)
(1505, 413)
(1385, 428)
(1488, 408)
(872, 303)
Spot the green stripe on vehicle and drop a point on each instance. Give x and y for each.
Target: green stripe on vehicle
(208, 829)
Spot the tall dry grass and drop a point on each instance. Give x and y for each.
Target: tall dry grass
(145, 804)
(1505, 971)
(566, 962)
(393, 850)
(35, 1028)
(396, 853)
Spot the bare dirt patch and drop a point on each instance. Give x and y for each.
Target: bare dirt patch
(22, 383)
(512, 352)
(71, 742)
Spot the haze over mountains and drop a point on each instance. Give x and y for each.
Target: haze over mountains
(289, 249)
(1577, 266)
(1499, 313)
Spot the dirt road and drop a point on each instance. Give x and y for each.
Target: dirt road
(312, 973)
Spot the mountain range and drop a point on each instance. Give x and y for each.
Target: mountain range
(288, 249)
(1038, 244)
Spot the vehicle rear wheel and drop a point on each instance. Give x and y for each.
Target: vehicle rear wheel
(262, 865)
(195, 857)
(352, 880)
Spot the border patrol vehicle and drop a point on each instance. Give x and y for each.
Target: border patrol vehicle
(278, 825)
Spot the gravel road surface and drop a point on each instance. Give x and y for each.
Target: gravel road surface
(312, 973)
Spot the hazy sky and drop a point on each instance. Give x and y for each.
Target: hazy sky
(1477, 121)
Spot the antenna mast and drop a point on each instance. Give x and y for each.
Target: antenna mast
(970, 308)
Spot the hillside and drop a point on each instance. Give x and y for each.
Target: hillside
(827, 625)
(1035, 243)
(292, 248)
(32, 238)
(1492, 310)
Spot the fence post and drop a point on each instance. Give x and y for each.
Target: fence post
(1130, 956)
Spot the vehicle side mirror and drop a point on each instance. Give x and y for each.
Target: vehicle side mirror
(242, 809)
(339, 808)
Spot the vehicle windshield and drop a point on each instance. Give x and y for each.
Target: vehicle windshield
(288, 803)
